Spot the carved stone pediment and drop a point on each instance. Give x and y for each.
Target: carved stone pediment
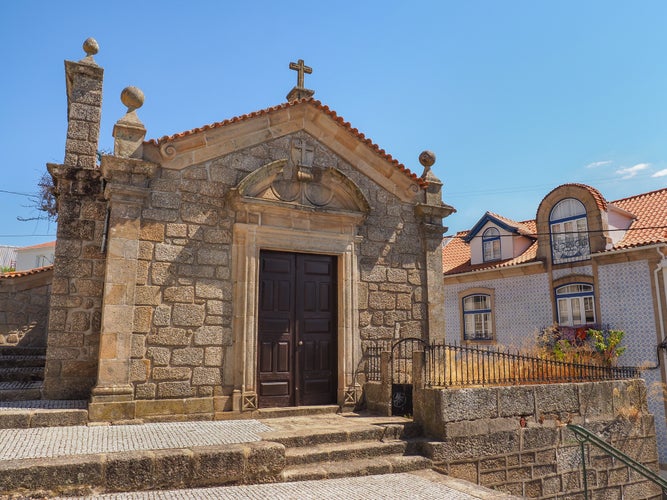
(285, 182)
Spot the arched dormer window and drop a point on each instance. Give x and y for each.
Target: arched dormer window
(491, 244)
(569, 231)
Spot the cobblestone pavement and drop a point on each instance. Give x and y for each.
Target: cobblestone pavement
(43, 405)
(64, 441)
(423, 485)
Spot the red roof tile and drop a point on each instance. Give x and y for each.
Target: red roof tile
(599, 199)
(524, 228)
(309, 101)
(456, 253)
(19, 274)
(650, 210)
(40, 245)
(648, 228)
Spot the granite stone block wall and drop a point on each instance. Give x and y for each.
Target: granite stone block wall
(516, 440)
(183, 307)
(24, 308)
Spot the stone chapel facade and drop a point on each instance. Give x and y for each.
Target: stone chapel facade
(235, 266)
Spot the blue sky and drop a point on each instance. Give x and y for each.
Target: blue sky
(514, 97)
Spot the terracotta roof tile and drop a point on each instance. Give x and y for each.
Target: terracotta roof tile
(599, 199)
(19, 274)
(48, 244)
(648, 228)
(309, 101)
(526, 228)
(456, 253)
(650, 210)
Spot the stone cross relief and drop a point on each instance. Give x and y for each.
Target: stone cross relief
(298, 182)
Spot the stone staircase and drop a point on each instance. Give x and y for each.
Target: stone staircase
(21, 373)
(372, 445)
(21, 379)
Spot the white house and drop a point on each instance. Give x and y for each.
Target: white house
(581, 261)
(35, 256)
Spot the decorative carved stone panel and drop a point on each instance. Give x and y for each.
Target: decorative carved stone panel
(285, 182)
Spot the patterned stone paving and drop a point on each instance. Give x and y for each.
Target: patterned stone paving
(76, 440)
(388, 486)
(44, 405)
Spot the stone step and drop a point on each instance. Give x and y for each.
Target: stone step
(343, 451)
(40, 413)
(22, 351)
(295, 411)
(19, 361)
(22, 374)
(323, 435)
(20, 391)
(357, 467)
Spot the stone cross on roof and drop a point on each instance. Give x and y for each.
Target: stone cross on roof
(300, 68)
(299, 91)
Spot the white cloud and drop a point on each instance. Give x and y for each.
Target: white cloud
(630, 172)
(597, 164)
(660, 173)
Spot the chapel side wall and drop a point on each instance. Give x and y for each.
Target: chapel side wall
(24, 308)
(514, 439)
(182, 341)
(183, 298)
(522, 307)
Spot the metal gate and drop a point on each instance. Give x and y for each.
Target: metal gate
(401, 374)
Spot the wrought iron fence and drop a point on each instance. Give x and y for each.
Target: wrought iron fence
(452, 365)
(372, 353)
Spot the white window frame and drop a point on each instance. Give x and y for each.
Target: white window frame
(491, 248)
(568, 226)
(576, 304)
(477, 317)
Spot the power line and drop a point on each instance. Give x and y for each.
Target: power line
(536, 234)
(24, 235)
(18, 194)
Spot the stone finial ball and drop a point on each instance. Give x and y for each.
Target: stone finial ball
(427, 158)
(91, 47)
(132, 97)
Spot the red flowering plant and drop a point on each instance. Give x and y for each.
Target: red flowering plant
(583, 344)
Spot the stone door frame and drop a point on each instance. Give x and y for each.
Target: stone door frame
(289, 230)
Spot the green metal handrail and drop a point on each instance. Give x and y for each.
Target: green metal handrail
(584, 435)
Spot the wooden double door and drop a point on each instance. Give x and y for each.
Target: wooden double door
(297, 361)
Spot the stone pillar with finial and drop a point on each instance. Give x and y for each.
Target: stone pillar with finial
(430, 214)
(76, 297)
(127, 178)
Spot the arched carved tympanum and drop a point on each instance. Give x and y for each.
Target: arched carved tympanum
(322, 188)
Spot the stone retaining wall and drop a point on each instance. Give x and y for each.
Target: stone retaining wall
(515, 439)
(24, 308)
(198, 466)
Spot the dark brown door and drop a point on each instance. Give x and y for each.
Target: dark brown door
(297, 329)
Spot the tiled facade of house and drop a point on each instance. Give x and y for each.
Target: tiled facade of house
(582, 261)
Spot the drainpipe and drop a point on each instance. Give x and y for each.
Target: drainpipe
(662, 266)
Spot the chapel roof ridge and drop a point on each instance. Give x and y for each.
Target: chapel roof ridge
(306, 100)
